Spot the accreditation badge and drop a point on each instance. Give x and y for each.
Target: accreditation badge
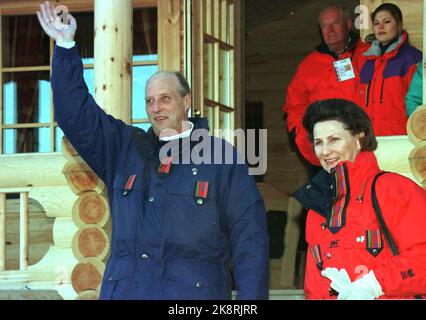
(344, 69)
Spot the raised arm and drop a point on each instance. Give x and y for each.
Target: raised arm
(97, 137)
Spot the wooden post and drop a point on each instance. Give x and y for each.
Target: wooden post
(113, 57)
(291, 240)
(238, 82)
(2, 231)
(169, 31)
(197, 57)
(23, 232)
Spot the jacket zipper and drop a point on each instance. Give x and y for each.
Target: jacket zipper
(361, 195)
(381, 91)
(368, 93)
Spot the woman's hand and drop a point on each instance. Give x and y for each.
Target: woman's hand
(53, 26)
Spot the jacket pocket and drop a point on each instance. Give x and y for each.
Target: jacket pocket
(121, 181)
(193, 221)
(119, 283)
(190, 279)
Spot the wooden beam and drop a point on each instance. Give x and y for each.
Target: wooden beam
(198, 26)
(237, 41)
(26, 7)
(64, 230)
(113, 57)
(2, 231)
(32, 169)
(23, 232)
(57, 201)
(87, 275)
(170, 36)
(81, 177)
(392, 153)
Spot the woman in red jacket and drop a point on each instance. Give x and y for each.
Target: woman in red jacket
(387, 69)
(349, 249)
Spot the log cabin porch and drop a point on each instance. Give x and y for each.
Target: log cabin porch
(239, 58)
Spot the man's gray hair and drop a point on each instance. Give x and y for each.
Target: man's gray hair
(346, 13)
(184, 87)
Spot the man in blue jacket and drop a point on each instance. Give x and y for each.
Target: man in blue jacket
(177, 229)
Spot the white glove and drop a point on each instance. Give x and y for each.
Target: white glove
(365, 288)
(339, 278)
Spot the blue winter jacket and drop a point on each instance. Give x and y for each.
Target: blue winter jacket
(167, 241)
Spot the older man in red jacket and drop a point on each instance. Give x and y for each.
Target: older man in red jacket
(330, 71)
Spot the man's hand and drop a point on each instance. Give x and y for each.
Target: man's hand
(53, 26)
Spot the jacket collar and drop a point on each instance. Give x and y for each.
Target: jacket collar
(149, 145)
(375, 50)
(318, 194)
(353, 40)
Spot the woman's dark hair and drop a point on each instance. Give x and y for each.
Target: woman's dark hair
(352, 116)
(393, 9)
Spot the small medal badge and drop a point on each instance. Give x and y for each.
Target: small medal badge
(129, 185)
(165, 166)
(201, 191)
(360, 239)
(374, 242)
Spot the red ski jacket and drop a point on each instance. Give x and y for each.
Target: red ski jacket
(342, 230)
(316, 79)
(385, 80)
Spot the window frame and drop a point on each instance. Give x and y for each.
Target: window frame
(11, 8)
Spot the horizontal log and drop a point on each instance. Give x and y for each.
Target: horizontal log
(88, 295)
(67, 149)
(392, 153)
(32, 169)
(64, 230)
(416, 125)
(418, 163)
(90, 241)
(91, 208)
(81, 178)
(55, 267)
(26, 294)
(57, 201)
(28, 7)
(87, 275)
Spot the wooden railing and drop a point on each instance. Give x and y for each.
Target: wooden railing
(23, 227)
